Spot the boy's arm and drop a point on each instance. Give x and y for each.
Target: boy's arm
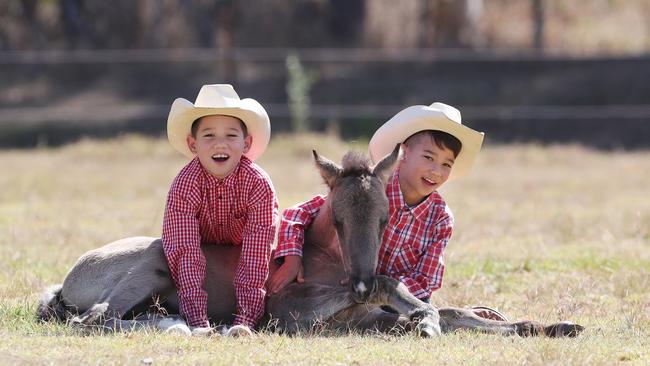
(253, 267)
(294, 220)
(182, 247)
(427, 276)
(291, 238)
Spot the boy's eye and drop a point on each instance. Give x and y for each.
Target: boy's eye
(447, 165)
(428, 157)
(232, 135)
(208, 135)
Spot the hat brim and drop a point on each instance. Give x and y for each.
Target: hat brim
(419, 118)
(183, 113)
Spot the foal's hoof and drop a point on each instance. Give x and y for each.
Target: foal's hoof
(563, 329)
(239, 331)
(91, 316)
(529, 328)
(76, 322)
(428, 329)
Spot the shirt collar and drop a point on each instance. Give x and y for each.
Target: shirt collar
(396, 199)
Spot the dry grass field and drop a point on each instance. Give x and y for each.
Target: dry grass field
(546, 233)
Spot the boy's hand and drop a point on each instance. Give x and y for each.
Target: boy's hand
(290, 270)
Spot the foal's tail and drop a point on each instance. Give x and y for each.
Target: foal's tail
(51, 306)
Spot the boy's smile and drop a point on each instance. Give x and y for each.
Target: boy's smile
(424, 168)
(219, 143)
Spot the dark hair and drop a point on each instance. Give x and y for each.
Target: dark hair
(440, 138)
(195, 126)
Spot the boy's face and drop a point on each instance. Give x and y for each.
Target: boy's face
(219, 144)
(424, 168)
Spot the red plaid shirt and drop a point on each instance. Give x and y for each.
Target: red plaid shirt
(412, 245)
(239, 210)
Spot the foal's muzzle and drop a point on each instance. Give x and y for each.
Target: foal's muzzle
(362, 288)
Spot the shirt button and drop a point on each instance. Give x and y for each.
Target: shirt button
(397, 231)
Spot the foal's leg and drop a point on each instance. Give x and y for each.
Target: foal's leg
(452, 319)
(148, 277)
(390, 291)
(171, 324)
(367, 317)
(300, 306)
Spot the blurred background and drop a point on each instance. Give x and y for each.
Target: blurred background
(548, 71)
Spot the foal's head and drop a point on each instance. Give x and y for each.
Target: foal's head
(359, 212)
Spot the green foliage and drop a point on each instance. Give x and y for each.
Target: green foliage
(299, 84)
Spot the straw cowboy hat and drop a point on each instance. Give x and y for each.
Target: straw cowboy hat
(218, 99)
(437, 116)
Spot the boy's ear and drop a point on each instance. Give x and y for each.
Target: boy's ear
(248, 142)
(386, 166)
(328, 169)
(406, 151)
(191, 144)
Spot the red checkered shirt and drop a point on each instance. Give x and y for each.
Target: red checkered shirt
(412, 245)
(241, 210)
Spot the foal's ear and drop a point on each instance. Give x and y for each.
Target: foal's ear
(328, 169)
(386, 166)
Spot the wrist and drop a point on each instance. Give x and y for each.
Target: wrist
(292, 259)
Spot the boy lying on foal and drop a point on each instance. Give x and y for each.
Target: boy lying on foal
(420, 223)
(218, 228)
(220, 197)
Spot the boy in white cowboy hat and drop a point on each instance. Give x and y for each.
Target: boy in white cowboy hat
(219, 197)
(435, 147)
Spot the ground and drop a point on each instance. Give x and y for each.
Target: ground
(542, 232)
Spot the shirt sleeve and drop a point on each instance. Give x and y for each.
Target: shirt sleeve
(182, 247)
(427, 276)
(291, 235)
(253, 267)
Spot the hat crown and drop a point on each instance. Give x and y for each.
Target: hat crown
(449, 111)
(217, 95)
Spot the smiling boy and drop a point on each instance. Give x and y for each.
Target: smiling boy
(436, 147)
(219, 198)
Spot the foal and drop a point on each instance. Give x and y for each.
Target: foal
(343, 243)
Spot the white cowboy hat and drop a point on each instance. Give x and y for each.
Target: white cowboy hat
(437, 116)
(218, 99)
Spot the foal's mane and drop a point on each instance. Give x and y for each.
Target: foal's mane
(355, 163)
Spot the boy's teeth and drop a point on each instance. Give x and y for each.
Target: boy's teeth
(217, 156)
